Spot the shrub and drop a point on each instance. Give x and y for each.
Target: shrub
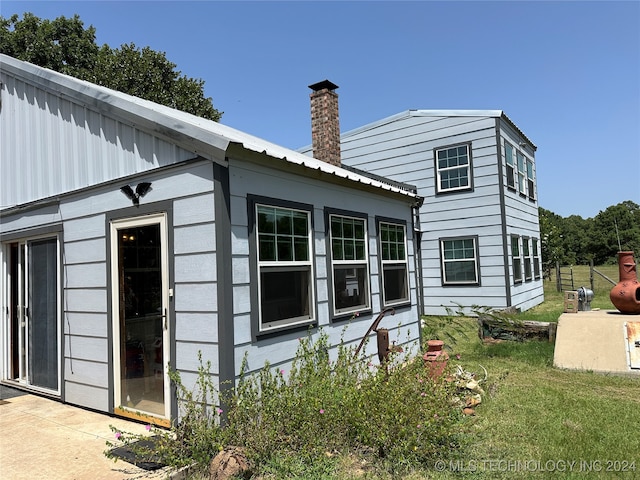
(330, 405)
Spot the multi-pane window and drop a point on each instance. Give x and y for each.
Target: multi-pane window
(527, 259)
(510, 162)
(285, 266)
(349, 264)
(453, 168)
(459, 261)
(536, 258)
(519, 170)
(517, 261)
(393, 259)
(521, 174)
(530, 183)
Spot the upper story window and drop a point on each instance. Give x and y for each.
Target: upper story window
(453, 168)
(349, 263)
(530, 182)
(521, 174)
(510, 162)
(459, 259)
(394, 264)
(285, 267)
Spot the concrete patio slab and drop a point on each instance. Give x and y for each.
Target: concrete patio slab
(594, 341)
(44, 439)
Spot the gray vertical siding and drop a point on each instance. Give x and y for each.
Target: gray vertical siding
(68, 146)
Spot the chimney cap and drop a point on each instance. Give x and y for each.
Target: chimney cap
(316, 87)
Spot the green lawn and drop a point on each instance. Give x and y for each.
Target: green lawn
(535, 416)
(553, 304)
(536, 420)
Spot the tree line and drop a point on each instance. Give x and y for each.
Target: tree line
(576, 241)
(66, 46)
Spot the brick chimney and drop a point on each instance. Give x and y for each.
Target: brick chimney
(325, 122)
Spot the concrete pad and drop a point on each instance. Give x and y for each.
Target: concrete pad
(594, 341)
(44, 439)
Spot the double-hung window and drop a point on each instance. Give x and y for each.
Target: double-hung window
(536, 258)
(510, 165)
(459, 257)
(285, 267)
(394, 265)
(349, 263)
(530, 182)
(453, 168)
(517, 261)
(521, 174)
(527, 259)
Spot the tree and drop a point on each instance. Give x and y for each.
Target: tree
(551, 237)
(616, 228)
(64, 45)
(574, 240)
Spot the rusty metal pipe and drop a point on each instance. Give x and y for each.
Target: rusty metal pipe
(374, 327)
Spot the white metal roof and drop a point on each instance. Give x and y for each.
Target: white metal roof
(307, 149)
(440, 113)
(207, 138)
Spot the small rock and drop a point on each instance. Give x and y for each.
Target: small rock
(232, 462)
(468, 411)
(474, 386)
(473, 401)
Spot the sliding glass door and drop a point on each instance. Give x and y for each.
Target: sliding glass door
(33, 333)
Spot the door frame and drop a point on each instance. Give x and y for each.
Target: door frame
(22, 240)
(115, 224)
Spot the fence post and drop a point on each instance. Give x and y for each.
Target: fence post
(558, 277)
(591, 274)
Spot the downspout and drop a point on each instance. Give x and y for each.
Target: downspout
(417, 243)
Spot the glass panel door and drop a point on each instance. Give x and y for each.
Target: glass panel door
(43, 314)
(140, 316)
(34, 333)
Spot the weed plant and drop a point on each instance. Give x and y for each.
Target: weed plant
(304, 422)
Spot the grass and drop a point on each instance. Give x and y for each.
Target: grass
(536, 416)
(534, 420)
(553, 304)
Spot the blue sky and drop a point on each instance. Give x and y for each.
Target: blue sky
(567, 73)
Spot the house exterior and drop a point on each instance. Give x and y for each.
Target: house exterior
(478, 228)
(134, 237)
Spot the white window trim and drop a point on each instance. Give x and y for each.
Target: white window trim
(439, 170)
(521, 161)
(475, 261)
(510, 165)
(284, 266)
(535, 252)
(530, 178)
(347, 263)
(385, 263)
(528, 257)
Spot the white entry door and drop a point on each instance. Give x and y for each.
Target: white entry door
(140, 317)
